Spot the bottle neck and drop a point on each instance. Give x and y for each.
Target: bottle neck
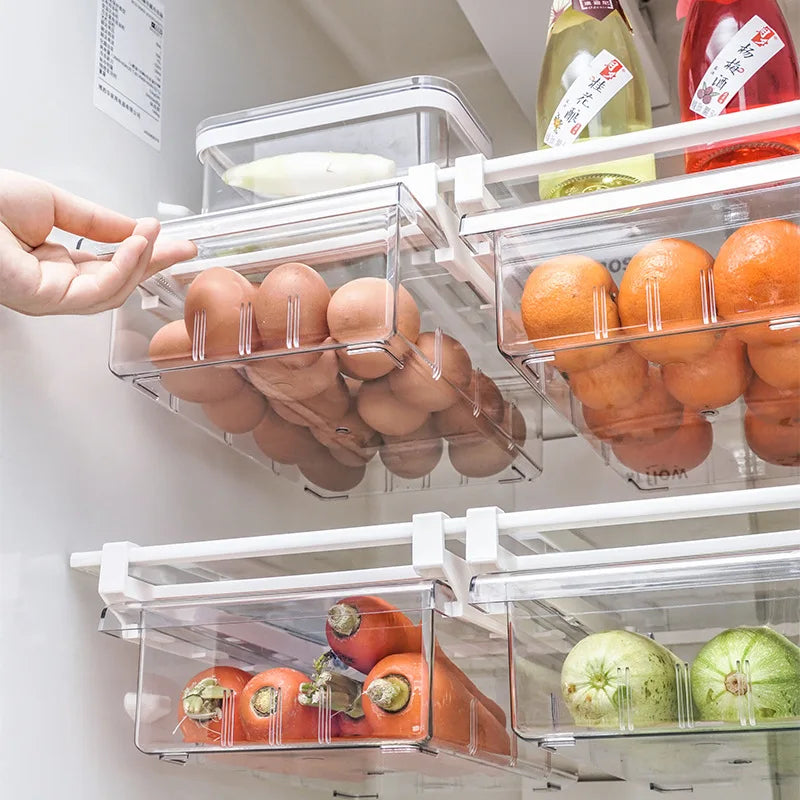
(685, 6)
(597, 9)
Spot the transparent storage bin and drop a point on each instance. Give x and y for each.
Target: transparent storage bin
(391, 383)
(220, 679)
(677, 669)
(662, 321)
(335, 140)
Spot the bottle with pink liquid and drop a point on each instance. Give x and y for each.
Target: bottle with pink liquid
(736, 55)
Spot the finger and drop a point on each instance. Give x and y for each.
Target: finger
(148, 229)
(85, 257)
(165, 254)
(91, 290)
(84, 218)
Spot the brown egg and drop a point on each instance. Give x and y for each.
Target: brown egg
(349, 454)
(363, 310)
(366, 366)
(353, 385)
(279, 381)
(476, 456)
(514, 425)
(323, 409)
(283, 442)
(414, 455)
(350, 431)
(381, 410)
(171, 347)
(329, 474)
(291, 311)
(470, 416)
(218, 314)
(238, 414)
(429, 387)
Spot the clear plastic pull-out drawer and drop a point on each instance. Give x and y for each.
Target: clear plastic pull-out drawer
(660, 666)
(663, 321)
(323, 338)
(328, 686)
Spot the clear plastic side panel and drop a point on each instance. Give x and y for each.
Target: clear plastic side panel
(316, 160)
(329, 157)
(703, 674)
(294, 672)
(333, 348)
(668, 335)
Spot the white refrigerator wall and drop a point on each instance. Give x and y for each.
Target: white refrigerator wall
(84, 459)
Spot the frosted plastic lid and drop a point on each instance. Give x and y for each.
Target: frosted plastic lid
(418, 92)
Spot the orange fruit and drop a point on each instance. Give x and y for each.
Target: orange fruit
(778, 365)
(654, 416)
(713, 380)
(684, 449)
(774, 442)
(568, 302)
(615, 383)
(757, 276)
(776, 405)
(666, 288)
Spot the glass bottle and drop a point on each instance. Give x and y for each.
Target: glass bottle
(736, 55)
(592, 85)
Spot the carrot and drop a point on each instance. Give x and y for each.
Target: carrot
(363, 630)
(442, 660)
(203, 706)
(347, 727)
(397, 706)
(271, 711)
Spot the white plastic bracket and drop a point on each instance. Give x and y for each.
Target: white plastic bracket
(484, 552)
(471, 195)
(457, 258)
(114, 584)
(431, 559)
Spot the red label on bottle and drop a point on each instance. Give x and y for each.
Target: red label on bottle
(599, 9)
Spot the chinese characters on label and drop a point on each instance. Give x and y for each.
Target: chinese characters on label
(599, 9)
(128, 67)
(744, 55)
(604, 78)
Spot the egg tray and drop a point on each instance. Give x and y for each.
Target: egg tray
(238, 341)
(647, 339)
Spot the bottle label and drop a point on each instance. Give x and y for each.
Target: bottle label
(744, 55)
(602, 80)
(599, 9)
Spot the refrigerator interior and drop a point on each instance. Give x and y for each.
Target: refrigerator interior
(85, 461)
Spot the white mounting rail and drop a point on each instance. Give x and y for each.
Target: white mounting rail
(663, 139)
(428, 534)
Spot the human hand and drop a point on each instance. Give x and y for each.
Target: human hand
(38, 277)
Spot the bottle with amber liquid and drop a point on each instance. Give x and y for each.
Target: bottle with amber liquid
(592, 85)
(736, 55)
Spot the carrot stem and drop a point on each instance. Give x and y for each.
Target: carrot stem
(345, 693)
(203, 700)
(392, 693)
(265, 701)
(344, 619)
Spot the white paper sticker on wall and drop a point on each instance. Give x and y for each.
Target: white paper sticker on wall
(128, 65)
(744, 55)
(602, 80)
